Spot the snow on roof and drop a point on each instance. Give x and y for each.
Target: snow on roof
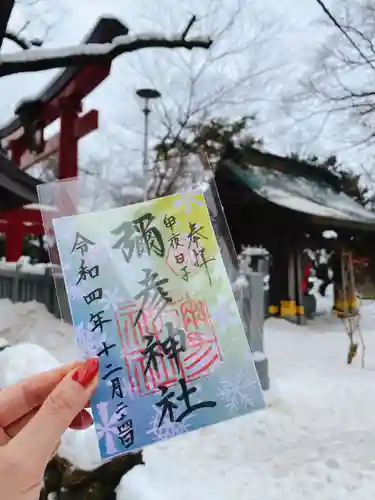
(303, 194)
(37, 206)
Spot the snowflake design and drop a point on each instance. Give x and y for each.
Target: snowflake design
(111, 299)
(66, 267)
(100, 253)
(187, 200)
(127, 389)
(74, 291)
(64, 235)
(106, 427)
(167, 429)
(89, 342)
(238, 392)
(224, 315)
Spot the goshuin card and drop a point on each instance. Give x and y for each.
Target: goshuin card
(150, 296)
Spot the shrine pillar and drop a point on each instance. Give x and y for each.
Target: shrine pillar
(14, 235)
(14, 228)
(344, 286)
(27, 149)
(296, 285)
(278, 284)
(285, 292)
(68, 140)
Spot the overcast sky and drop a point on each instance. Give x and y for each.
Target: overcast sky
(290, 51)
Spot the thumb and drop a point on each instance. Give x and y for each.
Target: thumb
(41, 436)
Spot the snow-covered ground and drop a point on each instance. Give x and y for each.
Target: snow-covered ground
(316, 439)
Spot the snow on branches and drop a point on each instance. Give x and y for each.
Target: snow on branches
(44, 59)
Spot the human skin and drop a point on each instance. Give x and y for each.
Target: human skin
(33, 415)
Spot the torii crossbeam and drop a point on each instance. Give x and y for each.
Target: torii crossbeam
(23, 137)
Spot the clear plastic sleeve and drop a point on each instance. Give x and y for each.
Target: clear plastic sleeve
(150, 293)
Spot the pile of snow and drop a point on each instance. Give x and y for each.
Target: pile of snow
(314, 441)
(23, 265)
(31, 322)
(329, 235)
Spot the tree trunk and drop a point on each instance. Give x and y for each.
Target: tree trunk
(6, 7)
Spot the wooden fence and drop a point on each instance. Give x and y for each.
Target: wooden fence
(19, 285)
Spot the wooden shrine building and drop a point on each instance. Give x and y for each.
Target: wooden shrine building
(286, 205)
(16, 187)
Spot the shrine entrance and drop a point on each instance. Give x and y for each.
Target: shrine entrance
(24, 141)
(288, 207)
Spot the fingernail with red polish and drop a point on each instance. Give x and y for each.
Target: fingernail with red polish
(86, 373)
(82, 421)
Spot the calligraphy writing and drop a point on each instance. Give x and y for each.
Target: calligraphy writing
(170, 347)
(169, 223)
(97, 321)
(125, 430)
(139, 235)
(185, 273)
(169, 407)
(195, 233)
(96, 294)
(194, 236)
(150, 350)
(153, 294)
(81, 244)
(110, 370)
(84, 272)
(126, 433)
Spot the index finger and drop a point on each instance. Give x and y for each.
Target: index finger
(19, 399)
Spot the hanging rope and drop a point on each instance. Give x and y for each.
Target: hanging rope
(350, 313)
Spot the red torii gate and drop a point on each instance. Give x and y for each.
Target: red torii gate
(25, 140)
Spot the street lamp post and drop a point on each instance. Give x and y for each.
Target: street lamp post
(147, 95)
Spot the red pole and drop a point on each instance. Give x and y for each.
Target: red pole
(68, 107)
(68, 166)
(14, 243)
(68, 150)
(13, 233)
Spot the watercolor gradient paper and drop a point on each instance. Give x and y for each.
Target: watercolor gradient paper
(150, 296)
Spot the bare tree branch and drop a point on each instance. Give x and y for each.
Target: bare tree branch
(224, 76)
(36, 24)
(22, 42)
(6, 7)
(200, 86)
(44, 59)
(345, 33)
(342, 79)
(188, 27)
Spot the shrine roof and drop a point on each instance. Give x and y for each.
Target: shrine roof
(106, 29)
(16, 187)
(300, 190)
